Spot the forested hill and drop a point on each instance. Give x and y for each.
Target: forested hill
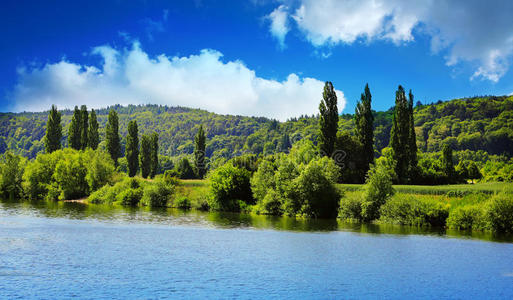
(480, 123)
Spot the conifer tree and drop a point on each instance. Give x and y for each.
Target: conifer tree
(53, 131)
(132, 148)
(84, 126)
(112, 136)
(154, 154)
(75, 132)
(93, 135)
(146, 162)
(328, 120)
(364, 121)
(199, 152)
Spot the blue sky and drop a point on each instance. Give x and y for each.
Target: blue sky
(250, 57)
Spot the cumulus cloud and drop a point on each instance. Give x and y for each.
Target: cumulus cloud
(131, 76)
(279, 24)
(479, 32)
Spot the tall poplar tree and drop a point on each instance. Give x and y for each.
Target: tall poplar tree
(199, 152)
(75, 132)
(132, 148)
(400, 133)
(93, 135)
(403, 138)
(145, 155)
(84, 126)
(328, 120)
(447, 162)
(154, 154)
(364, 121)
(53, 131)
(112, 136)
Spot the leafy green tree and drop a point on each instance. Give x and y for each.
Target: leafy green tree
(146, 153)
(11, 175)
(154, 154)
(184, 169)
(364, 121)
(84, 126)
(100, 169)
(112, 136)
(70, 177)
(199, 152)
(230, 186)
(53, 131)
(284, 143)
(75, 131)
(93, 135)
(377, 190)
(132, 149)
(328, 120)
(473, 172)
(412, 139)
(447, 161)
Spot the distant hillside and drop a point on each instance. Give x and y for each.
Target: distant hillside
(480, 123)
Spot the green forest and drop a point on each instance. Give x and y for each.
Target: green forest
(327, 165)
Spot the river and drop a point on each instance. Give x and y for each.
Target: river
(61, 250)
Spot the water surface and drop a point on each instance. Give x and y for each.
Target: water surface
(62, 250)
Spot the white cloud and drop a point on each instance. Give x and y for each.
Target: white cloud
(279, 24)
(131, 76)
(475, 31)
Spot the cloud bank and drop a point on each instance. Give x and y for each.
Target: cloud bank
(475, 31)
(131, 76)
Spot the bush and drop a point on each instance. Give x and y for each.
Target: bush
(467, 218)
(317, 192)
(413, 210)
(377, 190)
(500, 213)
(351, 207)
(100, 169)
(130, 197)
(229, 185)
(156, 194)
(99, 196)
(182, 202)
(70, 176)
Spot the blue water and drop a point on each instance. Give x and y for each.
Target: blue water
(72, 250)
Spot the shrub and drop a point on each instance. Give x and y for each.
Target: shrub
(229, 185)
(99, 196)
(182, 202)
(156, 194)
(378, 189)
(500, 213)
(129, 197)
(100, 169)
(70, 176)
(467, 217)
(316, 192)
(351, 206)
(413, 210)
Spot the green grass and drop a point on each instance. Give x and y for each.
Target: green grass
(486, 188)
(195, 191)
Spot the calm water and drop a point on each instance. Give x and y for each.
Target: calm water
(64, 250)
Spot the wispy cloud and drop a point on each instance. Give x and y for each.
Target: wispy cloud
(279, 24)
(155, 26)
(475, 32)
(131, 76)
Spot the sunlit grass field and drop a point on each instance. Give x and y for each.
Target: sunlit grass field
(486, 188)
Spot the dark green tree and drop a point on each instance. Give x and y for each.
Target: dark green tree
(53, 131)
(84, 126)
(112, 136)
(184, 169)
(400, 136)
(154, 154)
(199, 152)
(146, 153)
(132, 148)
(284, 144)
(412, 144)
(75, 131)
(473, 172)
(328, 120)
(93, 135)
(364, 121)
